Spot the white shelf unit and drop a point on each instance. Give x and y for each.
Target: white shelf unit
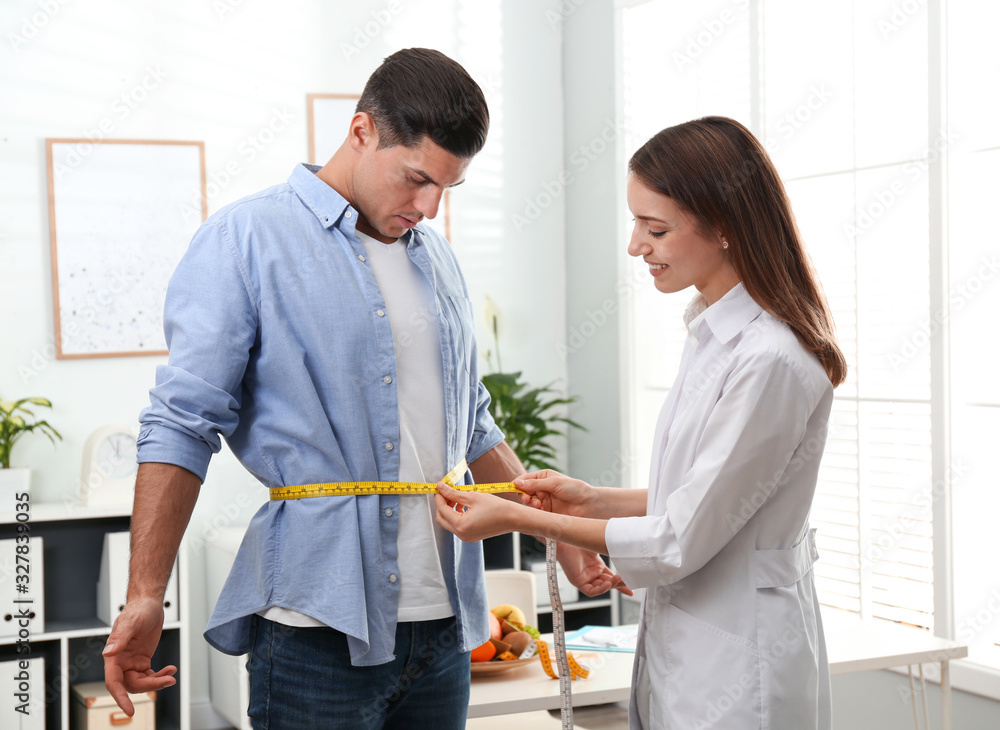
(73, 636)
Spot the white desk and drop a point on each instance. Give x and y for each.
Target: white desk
(853, 646)
(529, 688)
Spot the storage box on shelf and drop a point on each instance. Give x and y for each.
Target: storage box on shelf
(95, 709)
(72, 544)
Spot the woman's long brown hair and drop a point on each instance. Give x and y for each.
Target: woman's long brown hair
(718, 171)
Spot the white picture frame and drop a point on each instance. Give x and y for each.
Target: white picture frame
(121, 215)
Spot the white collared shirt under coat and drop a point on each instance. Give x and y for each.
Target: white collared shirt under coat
(730, 631)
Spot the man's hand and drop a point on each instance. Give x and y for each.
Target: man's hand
(588, 572)
(129, 651)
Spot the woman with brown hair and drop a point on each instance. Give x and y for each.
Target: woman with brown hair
(730, 633)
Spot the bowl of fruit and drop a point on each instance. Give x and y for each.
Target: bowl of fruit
(512, 643)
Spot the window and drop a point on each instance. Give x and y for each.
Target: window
(881, 118)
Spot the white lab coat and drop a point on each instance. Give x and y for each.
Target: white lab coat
(730, 633)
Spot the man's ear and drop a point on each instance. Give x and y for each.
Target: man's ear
(362, 133)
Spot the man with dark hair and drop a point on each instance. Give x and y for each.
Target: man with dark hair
(328, 336)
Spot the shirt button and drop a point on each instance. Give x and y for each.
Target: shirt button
(380, 313)
(392, 578)
(388, 511)
(388, 447)
(347, 214)
(361, 258)
(386, 380)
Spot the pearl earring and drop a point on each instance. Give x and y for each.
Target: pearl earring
(725, 244)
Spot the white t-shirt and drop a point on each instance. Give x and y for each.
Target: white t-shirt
(409, 303)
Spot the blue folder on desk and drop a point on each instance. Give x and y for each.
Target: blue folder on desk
(603, 638)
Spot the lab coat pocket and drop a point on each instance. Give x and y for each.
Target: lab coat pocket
(789, 638)
(712, 677)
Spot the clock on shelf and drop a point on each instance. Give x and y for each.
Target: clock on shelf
(109, 466)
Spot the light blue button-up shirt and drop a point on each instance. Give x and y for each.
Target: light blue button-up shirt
(279, 341)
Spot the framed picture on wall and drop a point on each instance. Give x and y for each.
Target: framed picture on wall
(329, 116)
(121, 215)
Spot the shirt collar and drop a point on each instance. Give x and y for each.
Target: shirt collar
(726, 318)
(329, 206)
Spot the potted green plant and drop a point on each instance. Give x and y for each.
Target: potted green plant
(16, 419)
(527, 416)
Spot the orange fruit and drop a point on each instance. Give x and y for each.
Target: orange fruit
(484, 653)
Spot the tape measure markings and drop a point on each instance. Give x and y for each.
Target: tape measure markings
(569, 669)
(347, 489)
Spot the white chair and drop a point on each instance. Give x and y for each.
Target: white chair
(516, 587)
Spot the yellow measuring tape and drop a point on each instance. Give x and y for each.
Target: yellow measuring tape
(575, 670)
(347, 489)
(570, 669)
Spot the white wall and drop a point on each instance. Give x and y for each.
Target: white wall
(226, 69)
(881, 700)
(594, 180)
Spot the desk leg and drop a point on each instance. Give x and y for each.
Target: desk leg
(945, 695)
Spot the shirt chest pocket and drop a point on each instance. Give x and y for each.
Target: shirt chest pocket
(459, 332)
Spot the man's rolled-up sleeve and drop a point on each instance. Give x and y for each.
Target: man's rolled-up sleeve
(210, 323)
(486, 434)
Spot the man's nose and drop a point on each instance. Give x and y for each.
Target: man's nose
(429, 200)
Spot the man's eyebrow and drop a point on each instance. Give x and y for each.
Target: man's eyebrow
(428, 178)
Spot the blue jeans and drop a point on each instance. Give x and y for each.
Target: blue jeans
(302, 678)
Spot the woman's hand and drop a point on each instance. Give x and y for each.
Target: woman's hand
(554, 492)
(473, 516)
(588, 572)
